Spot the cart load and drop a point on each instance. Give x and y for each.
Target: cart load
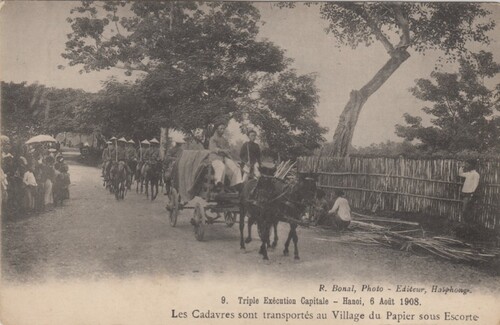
(192, 187)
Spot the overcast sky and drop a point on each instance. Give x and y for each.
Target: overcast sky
(32, 37)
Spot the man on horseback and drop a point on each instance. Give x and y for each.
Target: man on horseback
(220, 158)
(108, 155)
(146, 156)
(132, 159)
(152, 154)
(151, 170)
(122, 155)
(143, 149)
(251, 157)
(154, 151)
(172, 155)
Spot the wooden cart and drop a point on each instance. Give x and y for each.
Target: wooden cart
(209, 207)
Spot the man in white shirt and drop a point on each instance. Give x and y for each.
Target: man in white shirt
(469, 188)
(341, 211)
(220, 158)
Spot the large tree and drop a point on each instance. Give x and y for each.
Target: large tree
(33, 109)
(20, 109)
(284, 110)
(400, 28)
(463, 108)
(195, 61)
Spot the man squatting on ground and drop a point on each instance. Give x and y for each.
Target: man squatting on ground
(341, 211)
(220, 158)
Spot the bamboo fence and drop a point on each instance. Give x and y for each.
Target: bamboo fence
(408, 185)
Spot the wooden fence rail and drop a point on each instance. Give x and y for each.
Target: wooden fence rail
(408, 185)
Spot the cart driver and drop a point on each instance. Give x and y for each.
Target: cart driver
(220, 158)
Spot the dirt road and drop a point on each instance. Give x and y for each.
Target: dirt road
(95, 236)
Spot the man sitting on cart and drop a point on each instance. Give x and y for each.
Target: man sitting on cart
(220, 158)
(251, 157)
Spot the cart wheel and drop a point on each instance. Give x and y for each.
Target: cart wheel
(229, 217)
(199, 222)
(173, 206)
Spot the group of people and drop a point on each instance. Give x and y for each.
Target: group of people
(339, 215)
(125, 150)
(220, 157)
(224, 165)
(33, 179)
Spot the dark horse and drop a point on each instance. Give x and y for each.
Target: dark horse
(119, 178)
(251, 220)
(132, 164)
(270, 200)
(139, 179)
(151, 175)
(247, 192)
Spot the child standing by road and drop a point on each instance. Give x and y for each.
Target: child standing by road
(30, 189)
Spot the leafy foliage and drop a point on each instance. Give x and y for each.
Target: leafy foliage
(463, 108)
(195, 63)
(33, 109)
(388, 149)
(285, 112)
(429, 25)
(399, 27)
(19, 110)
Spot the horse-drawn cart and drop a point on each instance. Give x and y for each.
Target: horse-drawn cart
(191, 186)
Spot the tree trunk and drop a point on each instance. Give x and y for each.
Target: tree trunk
(344, 132)
(163, 142)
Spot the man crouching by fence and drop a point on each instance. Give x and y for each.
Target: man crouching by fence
(341, 211)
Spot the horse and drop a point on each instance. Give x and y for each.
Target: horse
(152, 174)
(107, 183)
(270, 200)
(251, 219)
(132, 164)
(119, 177)
(138, 177)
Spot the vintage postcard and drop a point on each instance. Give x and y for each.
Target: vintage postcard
(183, 162)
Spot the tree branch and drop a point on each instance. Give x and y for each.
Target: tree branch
(372, 23)
(143, 68)
(403, 23)
(116, 24)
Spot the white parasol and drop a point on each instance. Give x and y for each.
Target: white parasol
(41, 138)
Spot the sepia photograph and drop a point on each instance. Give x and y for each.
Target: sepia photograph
(238, 162)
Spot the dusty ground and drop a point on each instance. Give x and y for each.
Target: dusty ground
(94, 236)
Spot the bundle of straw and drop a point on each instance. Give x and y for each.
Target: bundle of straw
(283, 169)
(444, 247)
